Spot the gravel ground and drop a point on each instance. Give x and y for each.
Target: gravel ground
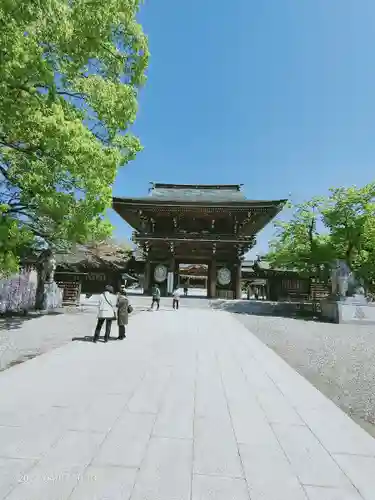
(339, 360)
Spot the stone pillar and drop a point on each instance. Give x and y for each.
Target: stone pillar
(237, 281)
(212, 280)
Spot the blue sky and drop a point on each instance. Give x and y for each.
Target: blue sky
(276, 94)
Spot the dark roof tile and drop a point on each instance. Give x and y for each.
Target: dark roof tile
(186, 192)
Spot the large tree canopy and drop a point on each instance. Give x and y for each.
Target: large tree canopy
(341, 226)
(70, 71)
(298, 243)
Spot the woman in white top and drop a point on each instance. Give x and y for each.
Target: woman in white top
(106, 312)
(176, 299)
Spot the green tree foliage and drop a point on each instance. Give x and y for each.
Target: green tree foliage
(298, 243)
(341, 226)
(70, 71)
(12, 240)
(347, 214)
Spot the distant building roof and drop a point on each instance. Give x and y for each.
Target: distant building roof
(139, 255)
(263, 265)
(86, 257)
(128, 277)
(193, 269)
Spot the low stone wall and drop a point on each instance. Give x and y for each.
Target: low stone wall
(17, 293)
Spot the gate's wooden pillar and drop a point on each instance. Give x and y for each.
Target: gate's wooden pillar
(147, 277)
(176, 281)
(237, 281)
(172, 265)
(172, 269)
(212, 280)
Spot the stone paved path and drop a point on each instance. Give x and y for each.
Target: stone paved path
(191, 406)
(22, 338)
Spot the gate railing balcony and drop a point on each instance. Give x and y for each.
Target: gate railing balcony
(202, 236)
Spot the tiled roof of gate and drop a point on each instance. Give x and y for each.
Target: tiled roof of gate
(199, 192)
(203, 194)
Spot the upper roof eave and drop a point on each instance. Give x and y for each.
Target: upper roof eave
(161, 185)
(149, 202)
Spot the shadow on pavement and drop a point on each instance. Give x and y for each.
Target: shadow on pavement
(297, 310)
(12, 323)
(89, 338)
(192, 296)
(15, 321)
(20, 361)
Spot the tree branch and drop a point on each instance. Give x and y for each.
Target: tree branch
(4, 172)
(113, 54)
(29, 151)
(37, 86)
(311, 233)
(76, 95)
(21, 209)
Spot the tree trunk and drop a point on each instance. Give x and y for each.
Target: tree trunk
(39, 297)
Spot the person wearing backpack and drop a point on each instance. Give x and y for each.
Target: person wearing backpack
(106, 313)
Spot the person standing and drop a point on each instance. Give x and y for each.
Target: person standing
(155, 297)
(123, 311)
(106, 312)
(176, 299)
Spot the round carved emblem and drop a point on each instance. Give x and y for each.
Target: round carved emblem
(224, 276)
(160, 273)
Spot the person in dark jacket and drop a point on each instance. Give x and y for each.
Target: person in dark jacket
(123, 310)
(155, 292)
